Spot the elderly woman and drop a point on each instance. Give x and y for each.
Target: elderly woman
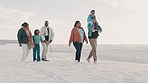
(25, 40)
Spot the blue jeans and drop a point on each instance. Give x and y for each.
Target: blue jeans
(78, 47)
(36, 52)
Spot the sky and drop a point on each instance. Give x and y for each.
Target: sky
(122, 21)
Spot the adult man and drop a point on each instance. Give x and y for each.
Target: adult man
(47, 35)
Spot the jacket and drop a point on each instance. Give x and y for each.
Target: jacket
(44, 32)
(75, 36)
(90, 26)
(22, 36)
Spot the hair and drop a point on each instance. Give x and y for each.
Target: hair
(25, 24)
(36, 31)
(76, 23)
(92, 11)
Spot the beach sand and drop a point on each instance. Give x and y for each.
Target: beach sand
(116, 64)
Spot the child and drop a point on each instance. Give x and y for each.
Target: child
(36, 39)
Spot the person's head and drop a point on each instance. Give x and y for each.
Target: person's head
(37, 32)
(26, 25)
(77, 24)
(46, 23)
(94, 20)
(92, 12)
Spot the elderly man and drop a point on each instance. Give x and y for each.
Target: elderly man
(47, 35)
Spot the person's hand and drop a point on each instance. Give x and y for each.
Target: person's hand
(20, 45)
(45, 41)
(86, 42)
(69, 45)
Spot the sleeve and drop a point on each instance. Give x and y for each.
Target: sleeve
(89, 19)
(90, 25)
(99, 28)
(85, 38)
(42, 34)
(19, 36)
(71, 37)
(52, 35)
(33, 38)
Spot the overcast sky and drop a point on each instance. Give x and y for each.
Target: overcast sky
(123, 21)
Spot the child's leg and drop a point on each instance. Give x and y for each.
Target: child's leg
(38, 53)
(34, 53)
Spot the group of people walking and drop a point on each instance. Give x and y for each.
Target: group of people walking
(46, 35)
(78, 36)
(27, 41)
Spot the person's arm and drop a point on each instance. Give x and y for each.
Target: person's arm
(52, 35)
(89, 18)
(33, 38)
(90, 26)
(71, 37)
(99, 27)
(42, 35)
(85, 38)
(19, 37)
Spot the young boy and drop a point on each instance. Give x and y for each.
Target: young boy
(36, 39)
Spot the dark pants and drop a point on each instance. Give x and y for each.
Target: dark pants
(36, 52)
(78, 47)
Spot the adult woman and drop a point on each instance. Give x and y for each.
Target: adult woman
(93, 30)
(78, 37)
(25, 40)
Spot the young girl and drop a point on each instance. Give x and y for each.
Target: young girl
(36, 39)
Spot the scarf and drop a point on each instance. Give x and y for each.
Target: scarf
(30, 39)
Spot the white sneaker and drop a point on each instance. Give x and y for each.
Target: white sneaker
(76, 61)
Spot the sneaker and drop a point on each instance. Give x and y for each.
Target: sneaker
(34, 60)
(76, 61)
(45, 60)
(88, 60)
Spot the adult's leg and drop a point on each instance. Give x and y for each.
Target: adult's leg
(80, 49)
(25, 52)
(28, 51)
(90, 54)
(77, 50)
(94, 49)
(38, 52)
(44, 52)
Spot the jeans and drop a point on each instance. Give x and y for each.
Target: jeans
(36, 52)
(78, 47)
